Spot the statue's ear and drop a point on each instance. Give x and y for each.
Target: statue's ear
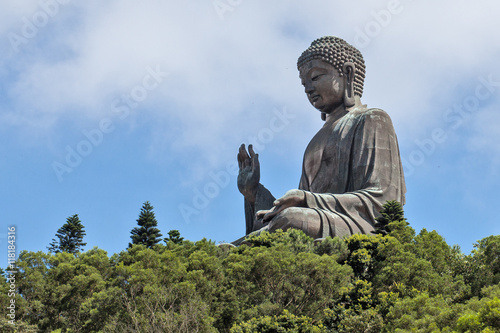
(348, 70)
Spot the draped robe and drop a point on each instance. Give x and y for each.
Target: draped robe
(351, 168)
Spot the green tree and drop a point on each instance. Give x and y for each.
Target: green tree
(420, 313)
(295, 240)
(70, 237)
(392, 211)
(393, 223)
(279, 282)
(286, 322)
(487, 319)
(174, 236)
(483, 265)
(146, 233)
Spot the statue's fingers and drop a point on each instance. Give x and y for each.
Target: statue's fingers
(242, 151)
(240, 162)
(283, 200)
(261, 213)
(291, 195)
(255, 162)
(244, 159)
(254, 158)
(272, 213)
(250, 150)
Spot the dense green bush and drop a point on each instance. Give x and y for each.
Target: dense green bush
(285, 322)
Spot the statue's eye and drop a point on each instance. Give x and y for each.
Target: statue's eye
(316, 77)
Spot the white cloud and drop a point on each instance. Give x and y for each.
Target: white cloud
(218, 68)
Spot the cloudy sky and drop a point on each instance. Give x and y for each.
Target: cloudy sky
(105, 105)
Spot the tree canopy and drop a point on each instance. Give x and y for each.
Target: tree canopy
(281, 282)
(69, 237)
(147, 232)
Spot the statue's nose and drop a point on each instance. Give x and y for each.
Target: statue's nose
(309, 88)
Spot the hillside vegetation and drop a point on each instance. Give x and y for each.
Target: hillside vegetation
(394, 281)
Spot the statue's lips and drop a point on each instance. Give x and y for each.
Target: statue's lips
(315, 98)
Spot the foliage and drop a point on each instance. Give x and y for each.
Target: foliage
(285, 322)
(293, 239)
(392, 211)
(281, 282)
(174, 236)
(483, 265)
(333, 247)
(146, 233)
(70, 237)
(17, 327)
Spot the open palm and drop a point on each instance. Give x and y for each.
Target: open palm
(249, 174)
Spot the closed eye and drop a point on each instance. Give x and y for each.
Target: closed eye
(316, 77)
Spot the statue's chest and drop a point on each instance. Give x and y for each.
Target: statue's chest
(318, 142)
(327, 157)
(326, 143)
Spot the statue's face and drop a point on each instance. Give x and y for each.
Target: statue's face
(323, 85)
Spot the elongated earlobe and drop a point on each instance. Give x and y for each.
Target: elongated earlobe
(348, 70)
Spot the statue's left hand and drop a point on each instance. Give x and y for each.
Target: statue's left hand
(292, 198)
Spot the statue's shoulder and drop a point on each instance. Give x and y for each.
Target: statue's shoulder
(364, 118)
(370, 114)
(363, 111)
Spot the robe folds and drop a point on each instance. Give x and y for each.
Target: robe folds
(351, 167)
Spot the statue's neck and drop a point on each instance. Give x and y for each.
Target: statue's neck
(342, 110)
(336, 114)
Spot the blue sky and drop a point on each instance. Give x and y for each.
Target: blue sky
(106, 106)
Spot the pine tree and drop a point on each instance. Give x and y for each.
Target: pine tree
(174, 236)
(70, 237)
(392, 211)
(146, 233)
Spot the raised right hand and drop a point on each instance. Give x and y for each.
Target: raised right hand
(249, 174)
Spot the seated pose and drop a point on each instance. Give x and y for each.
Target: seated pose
(351, 166)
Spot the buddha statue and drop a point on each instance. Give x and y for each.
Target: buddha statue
(351, 167)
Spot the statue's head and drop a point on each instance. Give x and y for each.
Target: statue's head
(336, 68)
